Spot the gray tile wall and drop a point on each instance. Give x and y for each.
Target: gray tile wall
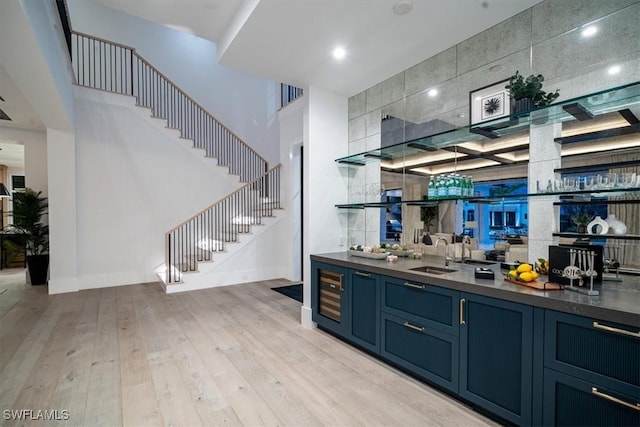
(544, 39)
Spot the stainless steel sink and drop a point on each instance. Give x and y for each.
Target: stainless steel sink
(432, 270)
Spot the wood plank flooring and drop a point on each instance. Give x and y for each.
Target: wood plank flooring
(233, 356)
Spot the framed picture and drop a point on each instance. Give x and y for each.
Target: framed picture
(489, 103)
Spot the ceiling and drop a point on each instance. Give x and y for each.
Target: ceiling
(21, 117)
(291, 40)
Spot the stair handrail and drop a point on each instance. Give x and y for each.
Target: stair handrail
(228, 196)
(183, 248)
(175, 86)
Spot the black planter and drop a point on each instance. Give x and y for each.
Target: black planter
(520, 105)
(38, 266)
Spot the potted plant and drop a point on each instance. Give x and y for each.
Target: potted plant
(28, 209)
(581, 220)
(526, 92)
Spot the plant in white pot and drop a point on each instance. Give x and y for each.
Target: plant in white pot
(28, 209)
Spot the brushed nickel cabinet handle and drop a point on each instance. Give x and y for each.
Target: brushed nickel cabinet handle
(616, 330)
(462, 301)
(360, 273)
(595, 391)
(415, 328)
(411, 285)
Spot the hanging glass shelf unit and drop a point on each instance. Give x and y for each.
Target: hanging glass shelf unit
(618, 99)
(500, 199)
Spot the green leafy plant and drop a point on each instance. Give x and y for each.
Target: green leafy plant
(28, 209)
(428, 214)
(581, 219)
(530, 87)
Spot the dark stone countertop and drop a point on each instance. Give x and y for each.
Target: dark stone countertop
(618, 302)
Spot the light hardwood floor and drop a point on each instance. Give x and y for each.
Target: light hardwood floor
(234, 355)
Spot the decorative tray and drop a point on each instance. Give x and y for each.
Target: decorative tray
(372, 255)
(536, 284)
(401, 253)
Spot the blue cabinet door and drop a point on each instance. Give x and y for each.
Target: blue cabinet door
(364, 309)
(593, 350)
(496, 345)
(569, 401)
(436, 307)
(329, 297)
(421, 349)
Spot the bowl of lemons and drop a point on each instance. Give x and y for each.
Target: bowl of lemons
(522, 273)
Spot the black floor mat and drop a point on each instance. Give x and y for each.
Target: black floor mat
(292, 291)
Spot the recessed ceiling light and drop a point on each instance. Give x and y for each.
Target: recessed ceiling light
(432, 92)
(402, 7)
(589, 31)
(339, 53)
(615, 69)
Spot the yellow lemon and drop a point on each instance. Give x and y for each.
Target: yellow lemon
(513, 274)
(534, 275)
(524, 268)
(526, 276)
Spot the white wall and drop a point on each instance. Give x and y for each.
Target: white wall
(134, 182)
(244, 103)
(325, 136)
(44, 22)
(291, 142)
(63, 236)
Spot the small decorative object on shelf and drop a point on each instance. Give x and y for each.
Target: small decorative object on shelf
(582, 265)
(396, 249)
(581, 220)
(598, 226)
(615, 225)
(451, 186)
(489, 103)
(526, 93)
(373, 252)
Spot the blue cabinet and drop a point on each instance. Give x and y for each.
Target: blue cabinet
(329, 297)
(570, 401)
(420, 330)
(496, 346)
(436, 307)
(424, 351)
(364, 309)
(347, 302)
(592, 371)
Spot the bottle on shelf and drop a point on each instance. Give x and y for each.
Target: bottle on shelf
(431, 193)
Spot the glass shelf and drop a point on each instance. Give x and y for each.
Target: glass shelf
(598, 236)
(580, 108)
(501, 199)
(592, 168)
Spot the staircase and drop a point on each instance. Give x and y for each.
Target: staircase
(236, 218)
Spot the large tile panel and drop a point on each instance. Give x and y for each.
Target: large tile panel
(569, 53)
(428, 73)
(386, 92)
(553, 17)
(501, 40)
(357, 105)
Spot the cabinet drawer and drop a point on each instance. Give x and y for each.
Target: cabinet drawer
(593, 350)
(571, 401)
(426, 352)
(436, 307)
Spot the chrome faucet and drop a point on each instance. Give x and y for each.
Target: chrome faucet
(446, 247)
